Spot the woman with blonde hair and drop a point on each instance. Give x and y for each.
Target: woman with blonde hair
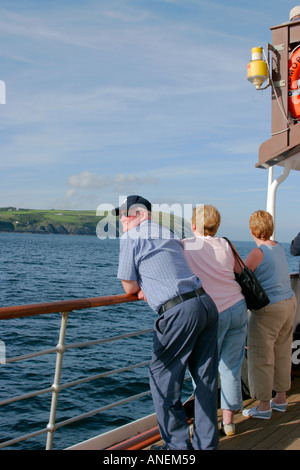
(211, 259)
(270, 332)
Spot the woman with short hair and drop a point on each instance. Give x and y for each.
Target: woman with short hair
(211, 259)
(270, 331)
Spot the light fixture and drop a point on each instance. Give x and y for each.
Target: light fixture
(257, 70)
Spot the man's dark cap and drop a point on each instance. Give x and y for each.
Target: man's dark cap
(131, 202)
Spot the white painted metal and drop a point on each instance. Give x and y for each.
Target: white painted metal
(272, 190)
(56, 384)
(110, 438)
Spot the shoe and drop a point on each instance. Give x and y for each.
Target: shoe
(278, 407)
(255, 413)
(228, 429)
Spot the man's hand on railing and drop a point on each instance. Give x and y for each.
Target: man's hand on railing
(141, 295)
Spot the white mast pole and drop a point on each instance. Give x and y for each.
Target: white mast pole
(272, 189)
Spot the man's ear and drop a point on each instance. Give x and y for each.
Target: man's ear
(143, 215)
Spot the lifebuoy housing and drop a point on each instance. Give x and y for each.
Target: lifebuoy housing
(294, 84)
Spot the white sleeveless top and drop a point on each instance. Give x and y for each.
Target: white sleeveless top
(211, 259)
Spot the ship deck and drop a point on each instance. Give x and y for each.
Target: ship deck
(281, 432)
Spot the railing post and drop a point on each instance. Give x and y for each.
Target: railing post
(60, 348)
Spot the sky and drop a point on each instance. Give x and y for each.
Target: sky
(106, 98)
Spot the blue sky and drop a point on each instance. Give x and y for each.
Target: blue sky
(106, 98)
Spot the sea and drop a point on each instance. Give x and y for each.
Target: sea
(38, 268)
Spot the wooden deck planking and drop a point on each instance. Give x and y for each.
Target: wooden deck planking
(281, 432)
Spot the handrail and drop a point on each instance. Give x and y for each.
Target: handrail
(64, 307)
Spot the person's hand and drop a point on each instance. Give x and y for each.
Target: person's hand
(141, 295)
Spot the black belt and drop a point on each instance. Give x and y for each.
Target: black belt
(180, 298)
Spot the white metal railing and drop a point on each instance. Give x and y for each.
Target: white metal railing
(68, 306)
(65, 307)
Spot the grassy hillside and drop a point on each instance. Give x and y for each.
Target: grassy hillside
(74, 222)
(53, 221)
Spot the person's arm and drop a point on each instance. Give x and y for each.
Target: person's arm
(130, 287)
(133, 287)
(237, 268)
(295, 246)
(127, 270)
(254, 258)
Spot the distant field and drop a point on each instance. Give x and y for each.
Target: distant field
(72, 222)
(59, 216)
(49, 221)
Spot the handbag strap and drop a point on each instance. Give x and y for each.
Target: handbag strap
(239, 259)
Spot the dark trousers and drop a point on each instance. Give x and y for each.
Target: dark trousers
(186, 336)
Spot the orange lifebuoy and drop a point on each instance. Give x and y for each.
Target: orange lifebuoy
(294, 84)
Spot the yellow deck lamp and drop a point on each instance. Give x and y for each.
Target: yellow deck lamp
(257, 70)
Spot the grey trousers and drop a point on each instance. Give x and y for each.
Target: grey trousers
(186, 336)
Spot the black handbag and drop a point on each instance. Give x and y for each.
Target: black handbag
(252, 290)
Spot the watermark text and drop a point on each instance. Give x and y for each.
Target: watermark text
(2, 92)
(2, 352)
(170, 217)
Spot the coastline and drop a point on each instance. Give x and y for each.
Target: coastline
(68, 222)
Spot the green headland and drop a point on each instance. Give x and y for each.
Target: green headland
(69, 222)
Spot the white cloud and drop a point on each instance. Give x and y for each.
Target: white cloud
(120, 182)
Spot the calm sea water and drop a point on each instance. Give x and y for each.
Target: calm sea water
(42, 268)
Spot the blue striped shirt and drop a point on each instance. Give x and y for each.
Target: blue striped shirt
(153, 256)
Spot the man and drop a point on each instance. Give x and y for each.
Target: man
(152, 265)
(295, 247)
